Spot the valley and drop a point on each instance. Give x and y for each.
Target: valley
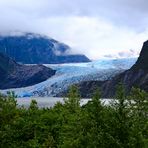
(74, 73)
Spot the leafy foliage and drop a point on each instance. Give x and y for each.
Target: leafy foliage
(122, 124)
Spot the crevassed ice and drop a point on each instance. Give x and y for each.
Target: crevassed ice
(68, 74)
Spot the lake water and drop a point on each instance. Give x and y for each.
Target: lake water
(49, 101)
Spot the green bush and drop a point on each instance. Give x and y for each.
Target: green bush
(122, 124)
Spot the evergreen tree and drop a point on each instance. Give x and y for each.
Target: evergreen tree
(121, 124)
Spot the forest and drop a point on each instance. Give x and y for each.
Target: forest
(121, 124)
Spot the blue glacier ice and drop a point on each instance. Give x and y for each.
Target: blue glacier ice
(68, 74)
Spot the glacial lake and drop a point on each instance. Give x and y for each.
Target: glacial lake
(47, 102)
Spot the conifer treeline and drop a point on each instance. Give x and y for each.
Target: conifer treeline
(122, 124)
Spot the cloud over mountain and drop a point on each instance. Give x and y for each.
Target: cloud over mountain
(91, 27)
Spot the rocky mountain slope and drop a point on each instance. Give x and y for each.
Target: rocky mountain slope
(73, 73)
(136, 76)
(14, 75)
(36, 49)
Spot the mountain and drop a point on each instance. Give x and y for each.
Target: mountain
(136, 76)
(14, 75)
(74, 73)
(36, 49)
(142, 62)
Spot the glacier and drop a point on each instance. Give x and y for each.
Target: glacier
(73, 73)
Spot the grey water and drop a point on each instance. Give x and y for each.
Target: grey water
(47, 102)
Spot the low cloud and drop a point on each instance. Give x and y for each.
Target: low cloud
(91, 27)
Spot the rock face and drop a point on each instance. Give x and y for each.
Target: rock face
(137, 76)
(36, 49)
(142, 62)
(13, 75)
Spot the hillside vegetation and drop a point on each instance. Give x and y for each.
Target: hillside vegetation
(122, 124)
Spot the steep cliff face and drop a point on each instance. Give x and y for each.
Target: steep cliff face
(36, 49)
(142, 62)
(13, 75)
(137, 76)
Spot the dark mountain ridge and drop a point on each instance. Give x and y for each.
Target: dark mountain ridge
(142, 62)
(36, 49)
(136, 76)
(14, 75)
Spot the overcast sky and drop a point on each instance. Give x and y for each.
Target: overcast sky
(92, 27)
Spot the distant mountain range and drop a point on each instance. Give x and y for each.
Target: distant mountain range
(124, 54)
(36, 49)
(14, 75)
